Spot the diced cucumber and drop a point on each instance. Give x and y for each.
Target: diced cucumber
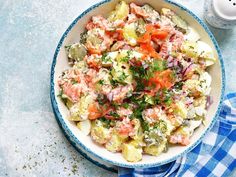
(180, 23)
(76, 52)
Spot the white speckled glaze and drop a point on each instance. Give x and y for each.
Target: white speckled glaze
(220, 13)
(85, 143)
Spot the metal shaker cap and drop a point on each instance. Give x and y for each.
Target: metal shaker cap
(225, 9)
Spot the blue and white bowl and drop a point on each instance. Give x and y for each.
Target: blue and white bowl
(84, 143)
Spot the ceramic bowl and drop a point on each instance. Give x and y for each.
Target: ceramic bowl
(85, 143)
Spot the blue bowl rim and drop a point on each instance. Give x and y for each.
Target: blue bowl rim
(68, 132)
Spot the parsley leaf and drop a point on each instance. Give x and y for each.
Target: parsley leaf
(101, 82)
(127, 57)
(105, 58)
(123, 76)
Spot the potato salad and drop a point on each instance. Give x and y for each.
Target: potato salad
(138, 80)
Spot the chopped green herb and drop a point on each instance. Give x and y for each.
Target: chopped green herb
(101, 99)
(114, 114)
(101, 82)
(126, 58)
(178, 85)
(125, 105)
(105, 58)
(123, 76)
(145, 126)
(74, 81)
(114, 83)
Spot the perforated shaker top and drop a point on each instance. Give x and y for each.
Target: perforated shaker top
(226, 9)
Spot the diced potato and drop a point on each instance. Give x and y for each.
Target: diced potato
(79, 111)
(190, 49)
(138, 142)
(192, 35)
(131, 153)
(155, 150)
(129, 33)
(100, 134)
(76, 52)
(200, 101)
(166, 12)
(81, 65)
(110, 57)
(192, 86)
(115, 143)
(206, 52)
(120, 13)
(137, 130)
(121, 72)
(183, 133)
(181, 109)
(69, 104)
(84, 126)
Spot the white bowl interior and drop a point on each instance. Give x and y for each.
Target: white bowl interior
(62, 64)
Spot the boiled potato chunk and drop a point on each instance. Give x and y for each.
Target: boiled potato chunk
(115, 143)
(79, 111)
(192, 35)
(181, 109)
(131, 153)
(120, 13)
(121, 72)
(100, 134)
(155, 150)
(206, 52)
(84, 126)
(129, 33)
(190, 49)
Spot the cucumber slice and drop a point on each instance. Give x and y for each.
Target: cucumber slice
(76, 52)
(180, 23)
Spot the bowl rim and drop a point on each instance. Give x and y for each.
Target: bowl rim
(74, 140)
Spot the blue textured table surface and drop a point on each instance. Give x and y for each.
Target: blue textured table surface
(31, 143)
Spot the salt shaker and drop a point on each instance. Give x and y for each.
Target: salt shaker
(220, 13)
